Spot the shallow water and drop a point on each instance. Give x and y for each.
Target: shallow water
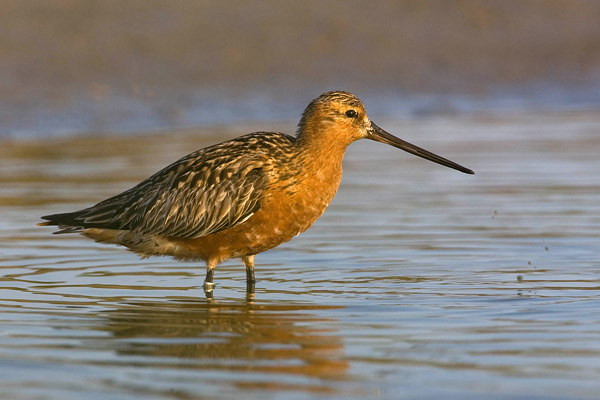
(418, 282)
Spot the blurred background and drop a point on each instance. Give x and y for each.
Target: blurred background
(419, 282)
(69, 66)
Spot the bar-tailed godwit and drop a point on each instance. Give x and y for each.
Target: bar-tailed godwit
(240, 197)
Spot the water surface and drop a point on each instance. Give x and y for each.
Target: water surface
(418, 282)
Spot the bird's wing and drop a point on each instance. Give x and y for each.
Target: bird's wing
(202, 193)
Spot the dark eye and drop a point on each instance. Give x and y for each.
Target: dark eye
(351, 113)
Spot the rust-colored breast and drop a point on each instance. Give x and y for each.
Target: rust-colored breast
(289, 207)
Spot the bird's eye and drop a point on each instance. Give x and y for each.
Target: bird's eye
(351, 113)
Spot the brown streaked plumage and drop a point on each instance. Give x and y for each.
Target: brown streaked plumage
(240, 197)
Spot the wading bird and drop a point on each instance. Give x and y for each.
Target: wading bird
(240, 197)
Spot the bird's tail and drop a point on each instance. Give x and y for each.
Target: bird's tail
(67, 222)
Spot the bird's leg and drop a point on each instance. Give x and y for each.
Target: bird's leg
(249, 263)
(208, 281)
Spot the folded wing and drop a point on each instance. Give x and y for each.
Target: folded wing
(203, 193)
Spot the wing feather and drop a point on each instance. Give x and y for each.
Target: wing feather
(198, 209)
(203, 193)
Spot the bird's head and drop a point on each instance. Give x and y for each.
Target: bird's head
(336, 119)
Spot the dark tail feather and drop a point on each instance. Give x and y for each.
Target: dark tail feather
(70, 218)
(68, 222)
(102, 215)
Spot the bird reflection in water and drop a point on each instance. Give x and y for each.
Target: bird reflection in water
(266, 338)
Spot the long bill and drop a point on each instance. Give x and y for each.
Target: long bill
(379, 135)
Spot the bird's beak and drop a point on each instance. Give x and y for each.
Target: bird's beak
(379, 135)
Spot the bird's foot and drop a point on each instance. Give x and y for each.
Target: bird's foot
(208, 286)
(208, 289)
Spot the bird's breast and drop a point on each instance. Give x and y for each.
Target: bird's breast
(291, 204)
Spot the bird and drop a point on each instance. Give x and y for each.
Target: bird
(241, 197)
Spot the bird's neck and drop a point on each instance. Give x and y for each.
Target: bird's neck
(321, 143)
(321, 158)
